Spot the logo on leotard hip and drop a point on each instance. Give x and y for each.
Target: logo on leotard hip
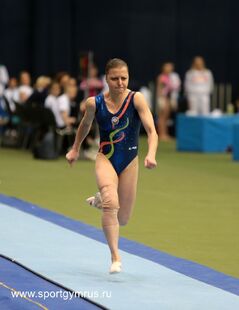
(115, 120)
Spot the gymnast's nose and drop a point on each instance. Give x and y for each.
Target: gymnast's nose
(120, 82)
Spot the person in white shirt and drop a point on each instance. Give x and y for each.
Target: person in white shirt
(52, 103)
(64, 103)
(175, 88)
(10, 92)
(4, 77)
(198, 87)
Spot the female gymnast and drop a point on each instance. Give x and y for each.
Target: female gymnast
(119, 113)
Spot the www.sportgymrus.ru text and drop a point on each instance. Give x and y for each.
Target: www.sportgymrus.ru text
(65, 295)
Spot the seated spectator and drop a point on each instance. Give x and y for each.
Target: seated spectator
(10, 92)
(24, 89)
(72, 82)
(52, 103)
(40, 91)
(4, 77)
(63, 79)
(4, 118)
(65, 102)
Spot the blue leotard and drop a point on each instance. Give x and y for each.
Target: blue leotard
(119, 132)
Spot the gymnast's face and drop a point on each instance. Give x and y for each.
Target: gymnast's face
(118, 79)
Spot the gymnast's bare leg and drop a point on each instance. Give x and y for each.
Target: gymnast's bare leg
(117, 199)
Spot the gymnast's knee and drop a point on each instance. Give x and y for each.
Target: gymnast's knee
(110, 205)
(109, 196)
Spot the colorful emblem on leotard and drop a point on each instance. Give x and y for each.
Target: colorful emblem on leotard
(112, 142)
(114, 121)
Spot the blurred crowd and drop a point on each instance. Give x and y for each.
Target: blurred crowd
(64, 96)
(21, 101)
(192, 95)
(198, 87)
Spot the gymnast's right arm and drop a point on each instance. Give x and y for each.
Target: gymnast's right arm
(82, 130)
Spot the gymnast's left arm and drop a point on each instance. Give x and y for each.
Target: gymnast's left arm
(147, 120)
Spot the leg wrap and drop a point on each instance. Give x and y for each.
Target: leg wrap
(109, 217)
(110, 205)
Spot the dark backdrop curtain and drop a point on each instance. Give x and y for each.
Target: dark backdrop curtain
(46, 36)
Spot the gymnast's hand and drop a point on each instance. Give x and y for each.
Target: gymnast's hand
(150, 162)
(72, 156)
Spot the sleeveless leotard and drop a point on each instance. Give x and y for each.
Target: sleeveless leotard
(119, 132)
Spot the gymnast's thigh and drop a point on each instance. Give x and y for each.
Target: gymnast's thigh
(105, 173)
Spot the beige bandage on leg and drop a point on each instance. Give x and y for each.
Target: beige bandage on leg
(107, 181)
(110, 223)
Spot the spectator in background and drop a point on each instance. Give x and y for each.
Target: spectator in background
(198, 87)
(67, 115)
(4, 77)
(24, 89)
(4, 118)
(67, 105)
(61, 106)
(72, 82)
(145, 90)
(10, 92)
(63, 79)
(3, 82)
(167, 90)
(105, 85)
(92, 85)
(52, 103)
(40, 91)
